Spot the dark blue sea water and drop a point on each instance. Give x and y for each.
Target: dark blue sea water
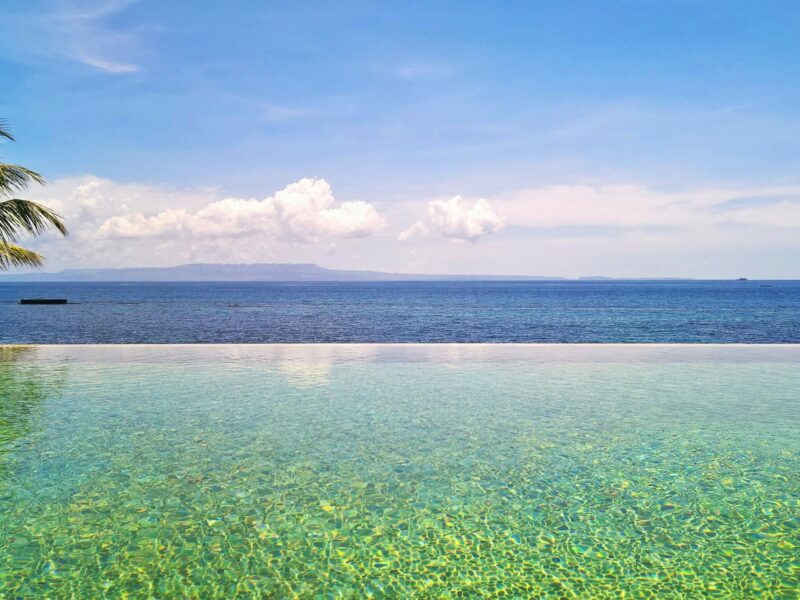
(596, 311)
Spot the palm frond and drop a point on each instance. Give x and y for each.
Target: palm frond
(12, 255)
(21, 216)
(15, 177)
(18, 216)
(5, 132)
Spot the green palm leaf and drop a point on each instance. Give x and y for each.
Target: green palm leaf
(4, 131)
(12, 255)
(17, 216)
(15, 178)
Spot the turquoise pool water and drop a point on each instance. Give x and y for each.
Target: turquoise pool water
(400, 471)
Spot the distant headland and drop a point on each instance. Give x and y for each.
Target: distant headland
(258, 272)
(249, 272)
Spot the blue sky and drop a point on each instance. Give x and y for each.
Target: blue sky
(636, 137)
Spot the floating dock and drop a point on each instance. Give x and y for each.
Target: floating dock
(43, 301)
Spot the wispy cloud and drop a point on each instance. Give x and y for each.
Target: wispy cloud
(411, 71)
(417, 229)
(422, 71)
(280, 114)
(77, 31)
(108, 66)
(631, 205)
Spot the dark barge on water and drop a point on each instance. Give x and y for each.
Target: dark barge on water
(43, 301)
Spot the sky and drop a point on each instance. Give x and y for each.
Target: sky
(627, 138)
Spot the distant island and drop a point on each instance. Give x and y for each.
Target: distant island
(249, 272)
(277, 272)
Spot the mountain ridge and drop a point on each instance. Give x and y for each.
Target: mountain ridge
(248, 272)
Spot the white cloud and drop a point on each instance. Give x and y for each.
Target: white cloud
(114, 224)
(304, 211)
(106, 65)
(456, 219)
(632, 206)
(570, 230)
(416, 229)
(87, 201)
(75, 30)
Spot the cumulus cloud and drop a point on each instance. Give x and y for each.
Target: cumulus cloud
(577, 229)
(88, 201)
(454, 218)
(115, 224)
(458, 220)
(304, 211)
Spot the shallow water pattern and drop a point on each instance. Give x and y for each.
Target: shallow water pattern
(385, 471)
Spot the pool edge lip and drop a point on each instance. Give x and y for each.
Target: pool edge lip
(411, 344)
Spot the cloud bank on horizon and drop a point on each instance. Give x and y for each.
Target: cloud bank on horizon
(633, 139)
(116, 224)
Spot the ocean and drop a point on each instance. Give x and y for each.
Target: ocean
(535, 311)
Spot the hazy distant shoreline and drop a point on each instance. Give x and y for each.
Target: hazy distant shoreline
(273, 272)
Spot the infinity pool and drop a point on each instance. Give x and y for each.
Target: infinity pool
(399, 471)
